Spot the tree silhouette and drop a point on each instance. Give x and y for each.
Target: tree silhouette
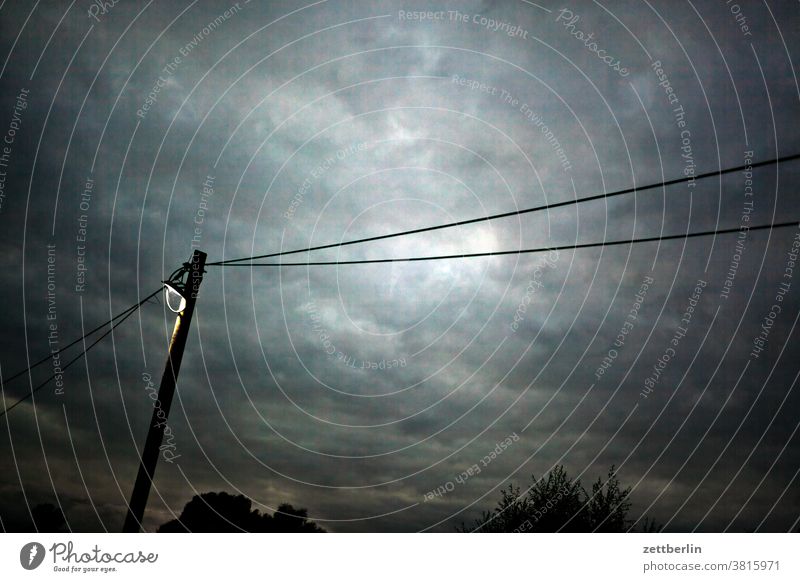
(225, 513)
(48, 518)
(608, 505)
(557, 503)
(43, 518)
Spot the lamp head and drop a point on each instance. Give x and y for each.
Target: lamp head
(175, 289)
(176, 300)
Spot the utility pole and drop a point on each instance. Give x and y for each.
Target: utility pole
(155, 434)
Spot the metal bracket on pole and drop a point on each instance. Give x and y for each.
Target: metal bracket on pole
(158, 423)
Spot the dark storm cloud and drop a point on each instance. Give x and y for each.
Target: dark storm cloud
(354, 391)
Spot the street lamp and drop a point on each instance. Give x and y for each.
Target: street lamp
(181, 294)
(175, 290)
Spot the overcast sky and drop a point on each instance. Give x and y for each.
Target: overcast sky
(355, 391)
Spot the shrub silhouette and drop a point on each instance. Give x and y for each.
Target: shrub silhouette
(557, 503)
(225, 513)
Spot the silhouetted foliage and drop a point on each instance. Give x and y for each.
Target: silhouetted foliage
(48, 518)
(608, 505)
(649, 526)
(43, 518)
(225, 513)
(557, 503)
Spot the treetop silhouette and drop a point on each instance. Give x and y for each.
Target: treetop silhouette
(225, 513)
(556, 503)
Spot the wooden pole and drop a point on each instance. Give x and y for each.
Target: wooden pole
(155, 434)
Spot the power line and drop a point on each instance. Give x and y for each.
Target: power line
(124, 315)
(512, 213)
(513, 252)
(241, 261)
(80, 339)
(65, 367)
